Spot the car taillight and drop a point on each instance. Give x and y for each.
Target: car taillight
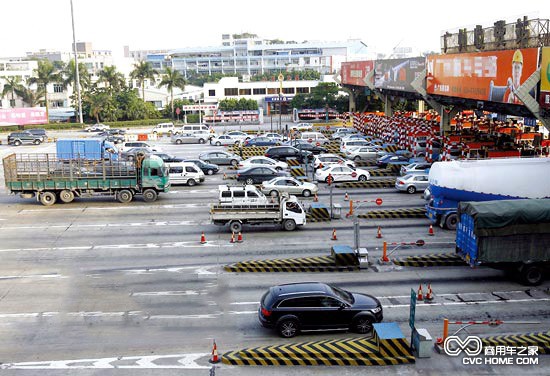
(401, 182)
(265, 312)
(238, 175)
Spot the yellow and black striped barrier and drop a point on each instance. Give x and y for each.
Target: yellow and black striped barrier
(436, 259)
(318, 213)
(293, 162)
(395, 213)
(382, 183)
(365, 162)
(391, 148)
(297, 171)
(342, 352)
(290, 265)
(540, 339)
(383, 172)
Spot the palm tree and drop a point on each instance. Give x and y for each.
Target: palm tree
(142, 71)
(32, 97)
(172, 79)
(98, 102)
(45, 75)
(11, 85)
(113, 80)
(69, 75)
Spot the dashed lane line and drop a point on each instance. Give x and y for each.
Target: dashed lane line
(107, 225)
(118, 207)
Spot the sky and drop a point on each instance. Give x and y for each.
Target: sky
(30, 25)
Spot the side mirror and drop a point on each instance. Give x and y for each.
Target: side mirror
(342, 306)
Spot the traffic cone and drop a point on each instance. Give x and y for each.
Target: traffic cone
(224, 176)
(232, 238)
(334, 234)
(203, 238)
(429, 294)
(431, 231)
(215, 358)
(346, 197)
(240, 237)
(379, 233)
(419, 295)
(315, 198)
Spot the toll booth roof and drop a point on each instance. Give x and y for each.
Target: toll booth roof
(388, 330)
(318, 205)
(338, 249)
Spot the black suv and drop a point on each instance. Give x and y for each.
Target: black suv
(18, 138)
(281, 153)
(294, 307)
(38, 132)
(304, 145)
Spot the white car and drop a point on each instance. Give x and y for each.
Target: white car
(239, 136)
(301, 127)
(342, 173)
(358, 153)
(97, 128)
(353, 142)
(276, 186)
(260, 161)
(138, 144)
(353, 136)
(223, 140)
(323, 160)
(274, 136)
(204, 135)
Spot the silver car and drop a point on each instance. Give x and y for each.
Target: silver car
(412, 183)
(415, 168)
(289, 185)
(187, 138)
(220, 158)
(364, 152)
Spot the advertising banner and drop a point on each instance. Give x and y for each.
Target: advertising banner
(354, 72)
(486, 76)
(23, 116)
(545, 78)
(397, 74)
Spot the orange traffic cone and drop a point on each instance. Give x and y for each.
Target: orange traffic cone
(232, 238)
(379, 233)
(429, 294)
(315, 198)
(346, 197)
(215, 358)
(419, 295)
(431, 231)
(203, 238)
(334, 234)
(240, 237)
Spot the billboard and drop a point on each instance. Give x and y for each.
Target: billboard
(545, 78)
(23, 116)
(397, 74)
(486, 76)
(354, 72)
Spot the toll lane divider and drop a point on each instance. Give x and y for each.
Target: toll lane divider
(297, 171)
(435, 259)
(318, 213)
(384, 172)
(540, 339)
(382, 183)
(395, 213)
(342, 352)
(291, 265)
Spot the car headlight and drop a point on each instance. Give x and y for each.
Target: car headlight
(376, 310)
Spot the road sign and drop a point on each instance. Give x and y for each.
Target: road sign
(378, 201)
(178, 111)
(413, 309)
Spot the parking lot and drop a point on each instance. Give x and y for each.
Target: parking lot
(99, 281)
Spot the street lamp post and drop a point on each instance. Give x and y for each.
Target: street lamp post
(77, 73)
(281, 78)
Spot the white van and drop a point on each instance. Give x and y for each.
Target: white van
(164, 128)
(315, 138)
(138, 144)
(191, 128)
(241, 195)
(185, 173)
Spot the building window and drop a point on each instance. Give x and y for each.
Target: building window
(302, 90)
(259, 91)
(245, 92)
(272, 90)
(12, 102)
(211, 93)
(231, 91)
(288, 90)
(57, 88)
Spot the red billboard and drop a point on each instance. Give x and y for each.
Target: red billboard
(354, 72)
(23, 116)
(487, 76)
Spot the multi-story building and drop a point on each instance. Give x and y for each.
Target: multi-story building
(15, 67)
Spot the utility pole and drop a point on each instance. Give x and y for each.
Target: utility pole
(77, 73)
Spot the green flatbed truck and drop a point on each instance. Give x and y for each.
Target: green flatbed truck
(50, 179)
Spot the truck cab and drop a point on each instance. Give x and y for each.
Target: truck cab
(292, 211)
(154, 174)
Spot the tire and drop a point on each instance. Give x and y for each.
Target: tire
(357, 158)
(451, 221)
(191, 182)
(124, 196)
(288, 328)
(362, 178)
(218, 143)
(289, 225)
(531, 275)
(210, 172)
(411, 189)
(37, 142)
(236, 226)
(249, 181)
(47, 198)
(179, 142)
(274, 193)
(16, 143)
(66, 196)
(326, 180)
(362, 325)
(278, 169)
(130, 158)
(150, 195)
(306, 193)
(201, 141)
(234, 163)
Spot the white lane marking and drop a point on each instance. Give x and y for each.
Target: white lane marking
(168, 293)
(52, 276)
(179, 269)
(106, 225)
(134, 207)
(194, 191)
(181, 361)
(121, 246)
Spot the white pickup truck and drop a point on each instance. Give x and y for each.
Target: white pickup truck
(286, 211)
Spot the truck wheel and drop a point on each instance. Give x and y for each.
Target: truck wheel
(451, 221)
(531, 275)
(124, 196)
(236, 226)
(178, 142)
(47, 198)
(411, 189)
(150, 195)
(191, 182)
(66, 196)
(289, 225)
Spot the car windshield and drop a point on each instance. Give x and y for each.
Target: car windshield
(342, 294)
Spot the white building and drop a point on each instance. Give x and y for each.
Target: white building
(15, 67)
